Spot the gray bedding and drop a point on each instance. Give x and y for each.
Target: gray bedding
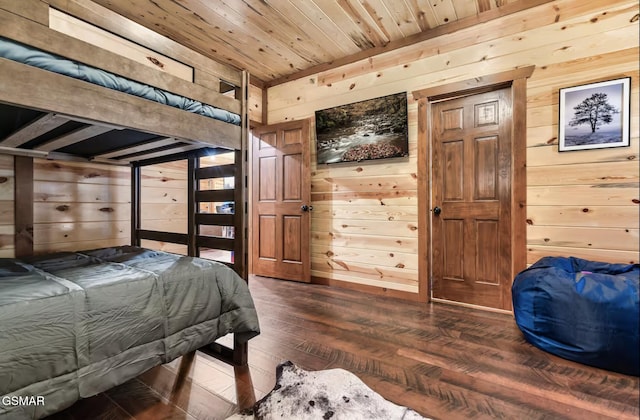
(75, 324)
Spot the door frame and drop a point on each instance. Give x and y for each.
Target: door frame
(516, 80)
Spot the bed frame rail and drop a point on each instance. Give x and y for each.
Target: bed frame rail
(236, 356)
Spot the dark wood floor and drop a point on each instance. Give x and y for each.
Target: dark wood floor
(444, 361)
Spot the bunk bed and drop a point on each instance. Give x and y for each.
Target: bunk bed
(140, 116)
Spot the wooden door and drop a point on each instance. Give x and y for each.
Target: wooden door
(281, 193)
(471, 199)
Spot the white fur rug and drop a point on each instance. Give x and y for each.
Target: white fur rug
(334, 394)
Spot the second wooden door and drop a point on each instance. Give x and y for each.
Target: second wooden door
(471, 197)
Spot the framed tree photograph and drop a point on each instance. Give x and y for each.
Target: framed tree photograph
(595, 116)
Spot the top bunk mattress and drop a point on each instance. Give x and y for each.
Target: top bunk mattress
(25, 54)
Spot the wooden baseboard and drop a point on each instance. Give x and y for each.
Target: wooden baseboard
(469, 305)
(375, 290)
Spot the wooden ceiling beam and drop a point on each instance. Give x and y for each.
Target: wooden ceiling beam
(413, 39)
(33, 129)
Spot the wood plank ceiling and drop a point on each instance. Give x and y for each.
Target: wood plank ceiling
(276, 40)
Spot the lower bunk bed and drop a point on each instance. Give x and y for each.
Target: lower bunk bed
(78, 323)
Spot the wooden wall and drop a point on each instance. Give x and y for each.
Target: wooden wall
(164, 202)
(80, 206)
(255, 104)
(84, 205)
(6, 206)
(583, 203)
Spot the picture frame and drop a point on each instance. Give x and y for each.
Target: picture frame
(372, 129)
(595, 115)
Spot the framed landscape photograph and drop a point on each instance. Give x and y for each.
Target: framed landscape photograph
(366, 130)
(595, 116)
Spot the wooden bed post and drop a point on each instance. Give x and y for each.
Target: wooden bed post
(192, 206)
(135, 204)
(239, 225)
(241, 205)
(240, 352)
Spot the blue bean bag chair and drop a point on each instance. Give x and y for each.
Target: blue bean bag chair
(581, 310)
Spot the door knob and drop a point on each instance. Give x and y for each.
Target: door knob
(437, 210)
(304, 207)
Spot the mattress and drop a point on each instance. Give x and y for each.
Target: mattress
(25, 54)
(76, 324)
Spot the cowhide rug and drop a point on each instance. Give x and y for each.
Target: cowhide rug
(328, 394)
